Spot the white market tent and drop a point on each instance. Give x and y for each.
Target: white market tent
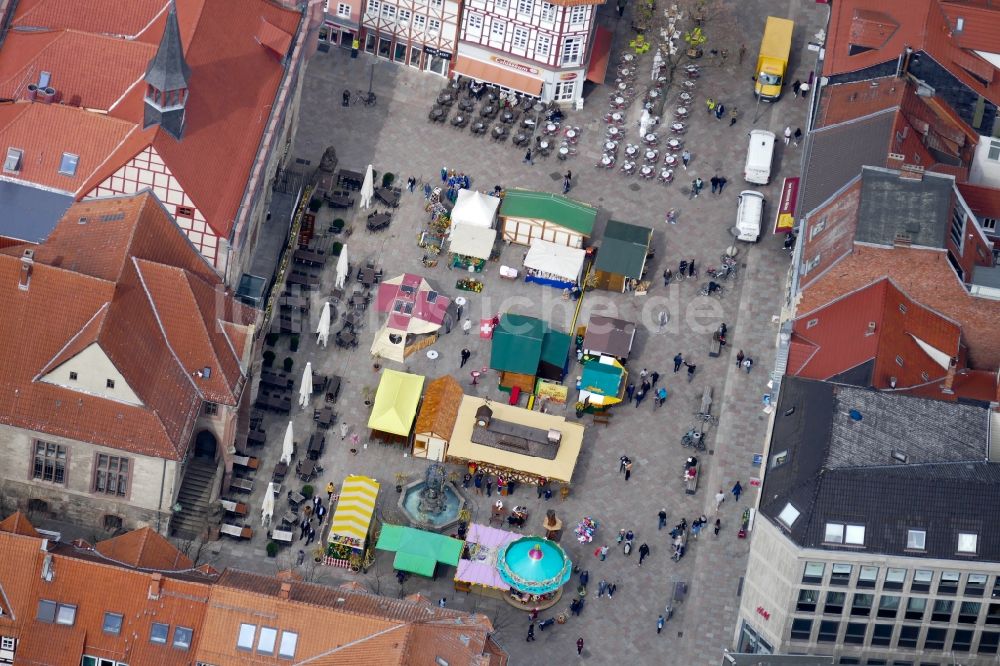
(556, 260)
(474, 209)
(472, 241)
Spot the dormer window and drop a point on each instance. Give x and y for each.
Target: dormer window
(852, 535)
(68, 163)
(968, 543)
(12, 164)
(788, 515)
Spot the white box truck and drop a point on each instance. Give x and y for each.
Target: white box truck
(749, 216)
(760, 152)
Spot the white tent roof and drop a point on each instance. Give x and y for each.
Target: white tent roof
(473, 241)
(566, 262)
(475, 209)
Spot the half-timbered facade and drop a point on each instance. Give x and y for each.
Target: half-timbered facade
(535, 47)
(419, 33)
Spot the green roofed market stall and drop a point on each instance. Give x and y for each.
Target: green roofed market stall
(526, 215)
(418, 551)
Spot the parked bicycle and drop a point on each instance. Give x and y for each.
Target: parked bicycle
(366, 98)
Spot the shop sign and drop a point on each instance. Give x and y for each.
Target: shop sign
(510, 64)
(766, 614)
(568, 76)
(785, 220)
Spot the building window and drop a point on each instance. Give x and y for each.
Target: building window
(211, 408)
(949, 582)
(962, 640)
(968, 543)
(433, 26)
(52, 612)
(7, 643)
(941, 611)
(988, 223)
(404, 18)
(807, 600)
(840, 574)
(915, 607)
(475, 22)
(498, 29)
(828, 630)
(994, 151)
(834, 603)
(343, 10)
(968, 612)
(819, 226)
(989, 642)
(419, 21)
(975, 585)
(565, 90)
(861, 605)
(855, 633)
(813, 573)
(388, 11)
(882, 634)
(916, 539)
(801, 629)
(110, 383)
(908, 636)
(244, 641)
(571, 51)
(373, 7)
(158, 633)
(543, 46)
(112, 623)
(548, 12)
(111, 475)
(810, 265)
(957, 226)
(501, 5)
(525, 6)
(13, 162)
(578, 14)
(921, 580)
(867, 577)
(935, 638)
(68, 164)
(267, 640)
(520, 38)
(286, 649)
(894, 579)
(50, 462)
(888, 606)
(73, 376)
(182, 638)
(788, 515)
(436, 3)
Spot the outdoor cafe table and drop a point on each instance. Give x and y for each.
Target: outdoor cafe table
(487, 111)
(610, 146)
(367, 276)
(551, 128)
(466, 105)
(284, 536)
(614, 132)
(296, 498)
(279, 402)
(651, 155)
(250, 462)
(388, 195)
(650, 139)
(571, 134)
(277, 378)
(303, 278)
(325, 417)
(670, 160)
(346, 338)
(607, 160)
(617, 117)
(507, 117)
(289, 517)
(306, 469)
(317, 441)
(232, 506)
(256, 438)
(436, 113)
(280, 470)
(646, 170)
(333, 388)
(309, 257)
(543, 145)
(378, 221)
(293, 302)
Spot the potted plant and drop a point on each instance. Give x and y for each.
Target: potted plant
(271, 339)
(387, 179)
(695, 38)
(336, 249)
(289, 362)
(337, 225)
(376, 362)
(295, 343)
(315, 204)
(307, 491)
(268, 358)
(580, 409)
(272, 549)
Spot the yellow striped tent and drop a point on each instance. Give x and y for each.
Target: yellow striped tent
(353, 517)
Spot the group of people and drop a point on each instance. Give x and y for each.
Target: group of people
(647, 383)
(718, 109)
(314, 510)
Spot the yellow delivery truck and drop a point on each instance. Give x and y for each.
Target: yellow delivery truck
(772, 62)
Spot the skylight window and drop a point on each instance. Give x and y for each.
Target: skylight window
(916, 539)
(67, 165)
(13, 162)
(967, 542)
(788, 515)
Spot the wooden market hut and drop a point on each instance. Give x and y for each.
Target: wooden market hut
(525, 349)
(436, 419)
(526, 215)
(395, 406)
(622, 255)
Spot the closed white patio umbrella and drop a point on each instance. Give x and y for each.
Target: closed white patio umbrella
(323, 330)
(288, 445)
(306, 386)
(368, 188)
(342, 268)
(267, 506)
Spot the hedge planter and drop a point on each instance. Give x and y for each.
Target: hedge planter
(288, 363)
(268, 358)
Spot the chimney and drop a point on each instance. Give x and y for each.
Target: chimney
(285, 591)
(154, 586)
(949, 379)
(31, 93)
(27, 263)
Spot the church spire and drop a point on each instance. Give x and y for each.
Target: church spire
(167, 80)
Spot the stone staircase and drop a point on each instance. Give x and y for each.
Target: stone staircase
(194, 496)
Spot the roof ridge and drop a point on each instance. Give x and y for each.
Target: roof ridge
(359, 641)
(48, 367)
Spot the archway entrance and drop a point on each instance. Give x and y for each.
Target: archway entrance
(205, 445)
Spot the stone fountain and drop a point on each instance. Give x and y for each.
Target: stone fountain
(433, 504)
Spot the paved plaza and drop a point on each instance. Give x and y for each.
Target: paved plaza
(395, 137)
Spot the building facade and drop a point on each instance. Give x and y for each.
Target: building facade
(422, 34)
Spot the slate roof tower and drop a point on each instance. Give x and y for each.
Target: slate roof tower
(167, 81)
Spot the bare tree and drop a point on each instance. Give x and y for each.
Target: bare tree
(686, 27)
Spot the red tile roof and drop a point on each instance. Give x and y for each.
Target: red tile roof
(983, 201)
(144, 548)
(134, 278)
(17, 523)
(980, 23)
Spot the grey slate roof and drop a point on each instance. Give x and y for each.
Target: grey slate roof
(168, 70)
(29, 213)
(893, 207)
(835, 154)
(842, 470)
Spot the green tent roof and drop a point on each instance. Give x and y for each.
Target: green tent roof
(601, 378)
(521, 343)
(418, 551)
(555, 348)
(566, 212)
(623, 249)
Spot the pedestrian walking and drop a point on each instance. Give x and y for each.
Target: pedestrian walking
(601, 587)
(489, 486)
(685, 158)
(691, 261)
(639, 395)
(722, 183)
(718, 526)
(461, 309)
(529, 160)
(621, 8)
(653, 378)
(330, 488)
(715, 184)
(691, 368)
(628, 470)
(465, 357)
(696, 186)
(442, 602)
(629, 391)
(643, 375)
(621, 464)
(720, 497)
(579, 645)
(797, 136)
(795, 87)
(568, 178)
(531, 632)
(612, 588)
(788, 135)
(747, 364)
(678, 360)
(662, 518)
(720, 110)
(478, 482)
(344, 429)
(710, 104)
(804, 89)
(533, 615)
(667, 275)
(743, 52)
(732, 116)
(646, 386)
(466, 326)
(312, 535)
(643, 552)
(739, 358)
(659, 624)
(603, 552)
(444, 174)
(737, 491)
(584, 577)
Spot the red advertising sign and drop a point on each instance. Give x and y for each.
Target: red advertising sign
(785, 219)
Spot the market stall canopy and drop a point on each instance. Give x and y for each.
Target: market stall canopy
(560, 260)
(560, 210)
(606, 335)
(623, 249)
(601, 381)
(528, 346)
(474, 209)
(501, 76)
(396, 402)
(412, 305)
(418, 551)
(355, 507)
(485, 544)
(473, 241)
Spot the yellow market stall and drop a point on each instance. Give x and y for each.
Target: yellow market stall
(351, 524)
(395, 405)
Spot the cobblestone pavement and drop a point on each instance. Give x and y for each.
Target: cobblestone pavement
(396, 137)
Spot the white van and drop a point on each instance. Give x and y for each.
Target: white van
(759, 155)
(749, 216)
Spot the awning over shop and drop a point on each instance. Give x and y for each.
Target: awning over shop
(547, 257)
(355, 507)
(505, 78)
(474, 209)
(396, 402)
(601, 381)
(599, 54)
(418, 551)
(473, 241)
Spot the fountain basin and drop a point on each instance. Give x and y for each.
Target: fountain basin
(453, 503)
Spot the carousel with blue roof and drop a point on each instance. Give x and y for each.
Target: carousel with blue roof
(536, 570)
